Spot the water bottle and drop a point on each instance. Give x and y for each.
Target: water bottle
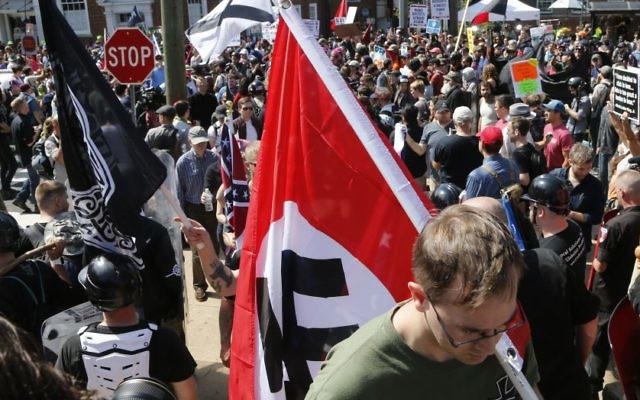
(208, 200)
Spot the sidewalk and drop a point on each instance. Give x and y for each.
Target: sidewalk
(203, 339)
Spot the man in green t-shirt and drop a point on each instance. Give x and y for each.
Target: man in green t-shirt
(440, 343)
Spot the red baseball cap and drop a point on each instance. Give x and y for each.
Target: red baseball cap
(490, 135)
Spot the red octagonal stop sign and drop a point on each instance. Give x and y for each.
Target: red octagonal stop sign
(129, 55)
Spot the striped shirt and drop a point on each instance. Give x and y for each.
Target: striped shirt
(190, 170)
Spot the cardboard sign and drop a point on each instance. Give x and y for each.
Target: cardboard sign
(625, 92)
(440, 9)
(470, 40)
(434, 26)
(348, 30)
(29, 44)
(525, 77)
(418, 14)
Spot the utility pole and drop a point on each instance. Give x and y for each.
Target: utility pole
(454, 6)
(173, 48)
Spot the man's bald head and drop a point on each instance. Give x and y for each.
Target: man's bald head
(490, 205)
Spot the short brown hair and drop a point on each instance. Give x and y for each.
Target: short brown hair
(521, 124)
(47, 191)
(581, 154)
(17, 103)
(244, 100)
(469, 245)
(418, 85)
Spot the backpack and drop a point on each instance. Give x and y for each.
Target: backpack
(513, 190)
(40, 162)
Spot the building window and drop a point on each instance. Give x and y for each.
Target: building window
(543, 5)
(75, 12)
(123, 18)
(195, 11)
(298, 8)
(313, 10)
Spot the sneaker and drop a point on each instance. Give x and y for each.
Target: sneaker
(22, 205)
(201, 295)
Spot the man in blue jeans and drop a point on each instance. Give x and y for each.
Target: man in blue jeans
(24, 137)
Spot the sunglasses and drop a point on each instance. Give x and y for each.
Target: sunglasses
(247, 108)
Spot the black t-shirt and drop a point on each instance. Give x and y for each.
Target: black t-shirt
(618, 240)
(522, 157)
(416, 164)
(555, 301)
(458, 156)
(569, 245)
(31, 293)
(169, 359)
(161, 276)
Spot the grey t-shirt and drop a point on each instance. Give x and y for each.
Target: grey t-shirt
(375, 363)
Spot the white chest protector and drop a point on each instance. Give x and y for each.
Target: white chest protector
(109, 359)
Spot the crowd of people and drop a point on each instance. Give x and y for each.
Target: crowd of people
(561, 158)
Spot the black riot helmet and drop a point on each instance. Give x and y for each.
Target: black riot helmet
(111, 281)
(143, 388)
(549, 191)
(9, 232)
(445, 195)
(575, 81)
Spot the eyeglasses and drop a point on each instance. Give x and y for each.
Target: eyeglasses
(518, 320)
(247, 108)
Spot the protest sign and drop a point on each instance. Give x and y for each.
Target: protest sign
(418, 14)
(433, 26)
(269, 30)
(525, 77)
(440, 9)
(351, 15)
(625, 92)
(536, 34)
(470, 40)
(313, 25)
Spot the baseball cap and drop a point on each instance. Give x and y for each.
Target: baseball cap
(555, 105)
(462, 114)
(166, 110)
(520, 110)
(197, 134)
(490, 135)
(442, 105)
(403, 79)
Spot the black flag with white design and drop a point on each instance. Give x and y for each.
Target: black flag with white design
(112, 172)
(221, 28)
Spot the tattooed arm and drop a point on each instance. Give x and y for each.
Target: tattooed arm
(221, 278)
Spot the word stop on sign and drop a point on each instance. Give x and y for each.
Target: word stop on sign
(129, 56)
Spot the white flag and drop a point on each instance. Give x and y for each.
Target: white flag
(216, 30)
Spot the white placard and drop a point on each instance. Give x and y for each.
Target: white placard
(440, 9)
(351, 14)
(269, 31)
(313, 25)
(418, 15)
